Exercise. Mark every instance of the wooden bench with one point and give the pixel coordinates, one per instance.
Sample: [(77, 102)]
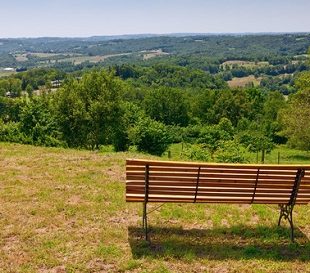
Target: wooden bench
[(187, 182)]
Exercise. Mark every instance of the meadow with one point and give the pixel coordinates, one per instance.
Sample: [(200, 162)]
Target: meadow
[(4, 73), (244, 81), (64, 210)]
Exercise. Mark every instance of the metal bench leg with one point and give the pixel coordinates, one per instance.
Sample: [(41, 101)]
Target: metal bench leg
[(144, 221), (286, 211)]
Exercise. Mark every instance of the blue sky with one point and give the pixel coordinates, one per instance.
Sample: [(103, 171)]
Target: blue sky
[(77, 18)]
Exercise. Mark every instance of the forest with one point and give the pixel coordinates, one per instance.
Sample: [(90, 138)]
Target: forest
[(184, 96)]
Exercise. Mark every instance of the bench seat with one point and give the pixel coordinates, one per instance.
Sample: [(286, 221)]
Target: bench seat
[(189, 182)]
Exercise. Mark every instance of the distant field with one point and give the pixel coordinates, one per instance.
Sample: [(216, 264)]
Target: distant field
[(78, 58), (92, 59), (151, 54), (64, 210), (21, 57), (241, 82), (244, 63), (45, 55), (6, 73)]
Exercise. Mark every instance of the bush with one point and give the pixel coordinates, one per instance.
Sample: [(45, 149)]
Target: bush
[(196, 152), (10, 132), (39, 124), (255, 141), (231, 152), (150, 136)]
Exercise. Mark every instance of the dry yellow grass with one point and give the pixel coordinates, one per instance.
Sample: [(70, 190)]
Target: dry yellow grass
[(152, 54), (244, 63), (93, 59), (244, 81)]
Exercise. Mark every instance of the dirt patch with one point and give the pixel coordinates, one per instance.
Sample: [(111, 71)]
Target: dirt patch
[(225, 223), (116, 173), (10, 243), (126, 217), (57, 269), (98, 265), (74, 200), (254, 220)]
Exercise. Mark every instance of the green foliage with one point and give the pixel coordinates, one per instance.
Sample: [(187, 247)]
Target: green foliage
[(91, 107), (10, 109), (11, 87), (272, 105), (303, 80), (38, 123), (213, 136), (10, 132), (185, 93), (150, 136), (167, 105), (295, 120), (196, 152), (230, 152), (295, 117), (255, 141)]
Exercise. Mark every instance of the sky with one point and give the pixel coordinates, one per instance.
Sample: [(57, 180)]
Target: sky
[(84, 18)]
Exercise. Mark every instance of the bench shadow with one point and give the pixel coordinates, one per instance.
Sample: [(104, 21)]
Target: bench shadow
[(238, 242)]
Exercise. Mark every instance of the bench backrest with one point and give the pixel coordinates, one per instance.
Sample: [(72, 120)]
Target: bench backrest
[(167, 181)]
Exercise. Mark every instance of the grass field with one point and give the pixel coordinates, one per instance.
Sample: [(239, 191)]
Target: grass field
[(64, 210), (152, 54), (92, 59), (241, 82), (244, 63), (4, 73)]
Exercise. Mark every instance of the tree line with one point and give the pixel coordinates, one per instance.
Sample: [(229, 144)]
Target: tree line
[(150, 108)]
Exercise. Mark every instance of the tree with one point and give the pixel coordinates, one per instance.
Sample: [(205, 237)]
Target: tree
[(303, 80), (38, 123), (89, 111), (295, 117), (295, 120), (167, 105), (212, 136)]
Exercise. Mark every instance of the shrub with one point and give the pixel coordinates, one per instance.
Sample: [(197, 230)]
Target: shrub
[(196, 152), (150, 136), (255, 141), (10, 132), (230, 152)]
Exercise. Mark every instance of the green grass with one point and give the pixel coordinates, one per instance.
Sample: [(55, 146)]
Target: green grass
[(286, 155), (64, 210)]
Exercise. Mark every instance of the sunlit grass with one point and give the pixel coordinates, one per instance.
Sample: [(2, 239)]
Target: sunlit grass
[(64, 210)]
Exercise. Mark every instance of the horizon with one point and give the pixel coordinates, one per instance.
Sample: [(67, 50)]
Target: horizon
[(34, 18), (162, 34)]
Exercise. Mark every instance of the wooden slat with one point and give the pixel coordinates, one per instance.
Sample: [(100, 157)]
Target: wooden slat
[(219, 194), (155, 169), (137, 162), (211, 175), (213, 179), (210, 184)]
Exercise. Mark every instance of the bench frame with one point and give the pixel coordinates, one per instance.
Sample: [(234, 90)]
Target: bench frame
[(286, 210)]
